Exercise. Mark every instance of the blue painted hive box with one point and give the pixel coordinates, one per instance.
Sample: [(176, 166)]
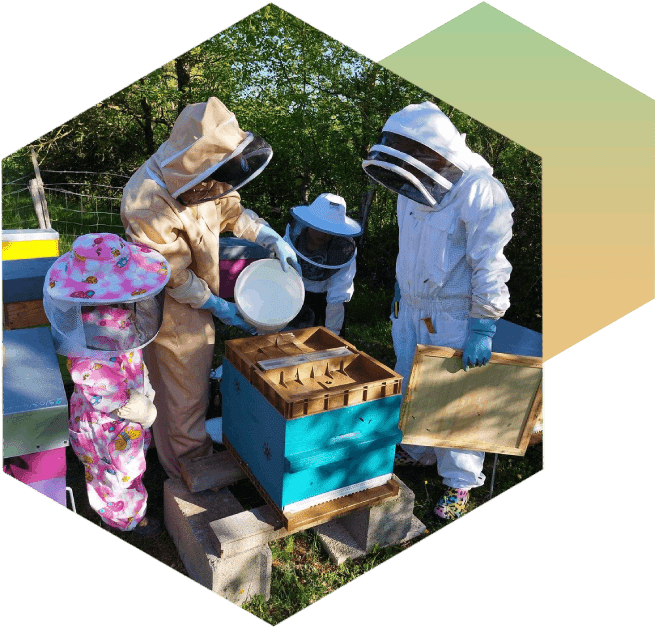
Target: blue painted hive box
[(34, 404), (311, 417)]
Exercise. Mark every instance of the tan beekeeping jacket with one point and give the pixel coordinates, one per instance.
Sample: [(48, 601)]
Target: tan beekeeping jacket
[(187, 237)]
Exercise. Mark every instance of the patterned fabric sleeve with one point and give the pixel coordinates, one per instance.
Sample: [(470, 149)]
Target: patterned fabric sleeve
[(102, 383)]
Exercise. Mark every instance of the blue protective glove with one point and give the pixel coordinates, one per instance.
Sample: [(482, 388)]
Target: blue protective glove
[(395, 304), (274, 242), (226, 312), (477, 349)]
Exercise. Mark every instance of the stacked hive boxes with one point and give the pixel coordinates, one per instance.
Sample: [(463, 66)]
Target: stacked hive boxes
[(312, 417), (35, 409)]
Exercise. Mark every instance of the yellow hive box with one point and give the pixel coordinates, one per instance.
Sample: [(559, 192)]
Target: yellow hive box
[(29, 243)]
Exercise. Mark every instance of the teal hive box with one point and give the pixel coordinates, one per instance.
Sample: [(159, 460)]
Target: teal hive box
[(310, 416)]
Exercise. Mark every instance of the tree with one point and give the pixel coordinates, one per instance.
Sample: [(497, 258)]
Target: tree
[(321, 105)]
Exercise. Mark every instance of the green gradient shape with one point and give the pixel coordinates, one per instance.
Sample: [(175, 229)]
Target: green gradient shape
[(595, 135)]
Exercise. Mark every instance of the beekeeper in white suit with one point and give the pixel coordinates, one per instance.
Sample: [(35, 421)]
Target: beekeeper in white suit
[(454, 218), (322, 235), (177, 203)]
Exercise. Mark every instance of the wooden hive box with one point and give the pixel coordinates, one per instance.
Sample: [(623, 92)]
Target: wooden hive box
[(309, 415), (492, 409)]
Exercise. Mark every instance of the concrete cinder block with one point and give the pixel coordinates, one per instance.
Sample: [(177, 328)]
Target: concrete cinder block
[(215, 471), (384, 524), (187, 517), (245, 531), (340, 545), (338, 542)]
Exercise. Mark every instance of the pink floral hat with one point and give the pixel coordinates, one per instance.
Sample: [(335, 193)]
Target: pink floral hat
[(104, 268)]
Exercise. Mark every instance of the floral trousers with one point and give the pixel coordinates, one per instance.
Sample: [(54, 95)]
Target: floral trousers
[(114, 456)]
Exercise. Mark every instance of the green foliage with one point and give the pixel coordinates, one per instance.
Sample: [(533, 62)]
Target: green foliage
[(321, 105)]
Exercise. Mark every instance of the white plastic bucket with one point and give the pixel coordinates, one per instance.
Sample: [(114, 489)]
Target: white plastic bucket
[(268, 297)]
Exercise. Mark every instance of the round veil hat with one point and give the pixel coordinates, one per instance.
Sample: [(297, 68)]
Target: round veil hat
[(105, 297), (328, 214), (103, 268)]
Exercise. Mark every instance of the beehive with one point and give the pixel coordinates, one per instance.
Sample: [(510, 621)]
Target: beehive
[(27, 254), (35, 412), (29, 243), (312, 417)]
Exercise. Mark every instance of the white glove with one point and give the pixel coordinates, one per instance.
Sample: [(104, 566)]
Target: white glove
[(138, 409), (274, 242)]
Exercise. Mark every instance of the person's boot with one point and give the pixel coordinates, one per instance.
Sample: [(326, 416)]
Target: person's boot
[(148, 526), (452, 503)]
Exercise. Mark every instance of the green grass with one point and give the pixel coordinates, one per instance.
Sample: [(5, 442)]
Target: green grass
[(303, 574)]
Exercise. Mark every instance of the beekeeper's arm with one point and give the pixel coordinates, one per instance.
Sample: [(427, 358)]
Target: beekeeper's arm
[(243, 223), (488, 219), (341, 287), (164, 231)]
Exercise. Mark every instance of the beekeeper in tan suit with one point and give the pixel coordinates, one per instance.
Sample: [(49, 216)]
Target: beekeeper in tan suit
[(178, 203)]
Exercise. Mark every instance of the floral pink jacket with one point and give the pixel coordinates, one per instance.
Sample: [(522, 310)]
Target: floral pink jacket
[(103, 385)]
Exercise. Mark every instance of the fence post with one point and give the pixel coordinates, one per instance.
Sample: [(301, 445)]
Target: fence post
[(364, 210), (36, 199), (45, 216)]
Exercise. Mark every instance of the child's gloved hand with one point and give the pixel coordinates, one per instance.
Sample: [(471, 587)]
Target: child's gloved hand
[(138, 409)]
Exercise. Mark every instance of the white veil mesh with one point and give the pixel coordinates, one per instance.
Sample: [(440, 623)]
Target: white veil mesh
[(103, 331)]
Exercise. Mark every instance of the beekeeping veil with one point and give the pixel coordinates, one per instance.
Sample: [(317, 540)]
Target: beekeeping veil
[(421, 155), (105, 297), (208, 155), (326, 214)]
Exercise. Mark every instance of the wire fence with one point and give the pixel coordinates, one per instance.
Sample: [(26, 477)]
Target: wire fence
[(78, 202)]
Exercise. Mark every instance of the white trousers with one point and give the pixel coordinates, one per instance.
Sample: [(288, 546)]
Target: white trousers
[(458, 468)]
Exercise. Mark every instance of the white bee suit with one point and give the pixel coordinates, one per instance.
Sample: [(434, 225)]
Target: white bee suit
[(450, 268), (329, 268), (339, 289)]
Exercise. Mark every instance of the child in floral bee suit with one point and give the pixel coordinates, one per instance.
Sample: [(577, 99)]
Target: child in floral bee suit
[(104, 301)]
